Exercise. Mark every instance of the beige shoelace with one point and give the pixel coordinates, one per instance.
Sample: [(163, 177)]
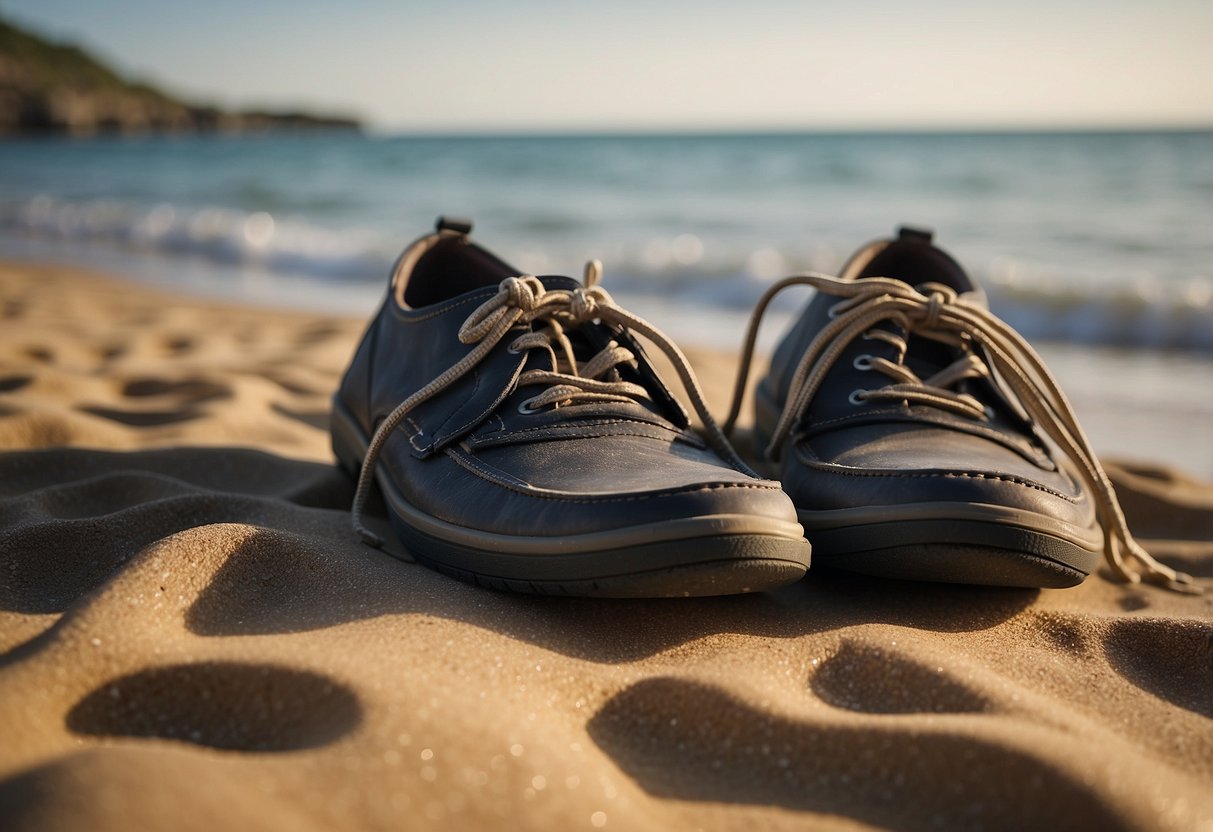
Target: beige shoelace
[(936, 312), (525, 300)]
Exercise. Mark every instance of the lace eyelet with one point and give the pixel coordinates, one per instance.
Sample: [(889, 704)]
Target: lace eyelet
[(856, 397), (832, 312), (512, 348), (989, 413), (524, 407), (862, 362)]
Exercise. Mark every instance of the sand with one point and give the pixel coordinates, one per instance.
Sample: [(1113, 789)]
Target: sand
[(190, 635)]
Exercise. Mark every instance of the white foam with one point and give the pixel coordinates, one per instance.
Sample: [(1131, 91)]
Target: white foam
[(280, 244)]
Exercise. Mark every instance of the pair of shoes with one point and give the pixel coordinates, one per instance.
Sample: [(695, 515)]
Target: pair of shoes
[(522, 440)]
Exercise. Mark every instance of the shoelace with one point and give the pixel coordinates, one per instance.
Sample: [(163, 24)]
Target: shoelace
[(936, 312), (525, 300)]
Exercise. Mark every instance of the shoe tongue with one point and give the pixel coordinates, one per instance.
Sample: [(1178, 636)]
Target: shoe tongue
[(910, 257), (587, 340), (559, 281), (913, 258)]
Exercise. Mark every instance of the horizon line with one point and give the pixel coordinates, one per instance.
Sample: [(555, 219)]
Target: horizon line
[(665, 132), (762, 131)]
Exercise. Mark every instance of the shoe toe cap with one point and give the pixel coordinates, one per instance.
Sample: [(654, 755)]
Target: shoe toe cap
[(585, 486), (931, 466)]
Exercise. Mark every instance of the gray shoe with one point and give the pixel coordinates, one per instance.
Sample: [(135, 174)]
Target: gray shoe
[(920, 437), (522, 440)]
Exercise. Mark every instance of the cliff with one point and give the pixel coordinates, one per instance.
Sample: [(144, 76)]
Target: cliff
[(47, 87)]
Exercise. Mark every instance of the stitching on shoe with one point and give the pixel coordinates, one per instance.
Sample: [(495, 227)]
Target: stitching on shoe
[(838, 419), (464, 460), (592, 424), (1022, 447), (570, 432), (593, 430), (397, 312), (478, 468), (829, 468), (477, 378), (471, 423), (417, 431)]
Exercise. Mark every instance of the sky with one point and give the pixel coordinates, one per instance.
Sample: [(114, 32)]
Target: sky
[(576, 65)]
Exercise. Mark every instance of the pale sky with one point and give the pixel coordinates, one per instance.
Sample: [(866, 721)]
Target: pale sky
[(553, 65)]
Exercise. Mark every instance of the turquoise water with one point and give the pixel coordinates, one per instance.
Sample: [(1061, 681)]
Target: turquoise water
[(1080, 237)]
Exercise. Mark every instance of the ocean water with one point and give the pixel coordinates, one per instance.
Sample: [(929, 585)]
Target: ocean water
[(1098, 247), (1088, 238)]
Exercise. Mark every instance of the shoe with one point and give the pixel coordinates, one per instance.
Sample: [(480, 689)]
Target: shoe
[(522, 440), (920, 437)]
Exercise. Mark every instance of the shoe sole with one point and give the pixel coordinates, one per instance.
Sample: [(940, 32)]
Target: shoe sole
[(956, 543), (963, 543), (694, 556)]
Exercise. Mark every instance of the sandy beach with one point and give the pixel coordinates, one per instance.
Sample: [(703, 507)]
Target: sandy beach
[(190, 635)]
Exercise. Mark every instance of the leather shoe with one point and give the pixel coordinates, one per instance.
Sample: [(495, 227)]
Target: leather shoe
[(522, 440)]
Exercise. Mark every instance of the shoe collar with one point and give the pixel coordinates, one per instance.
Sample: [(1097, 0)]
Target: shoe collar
[(913, 258)]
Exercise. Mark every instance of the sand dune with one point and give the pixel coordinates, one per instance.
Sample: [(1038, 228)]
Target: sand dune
[(192, 636)]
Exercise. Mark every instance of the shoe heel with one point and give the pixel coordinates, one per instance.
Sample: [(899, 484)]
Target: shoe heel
[(348, 445)]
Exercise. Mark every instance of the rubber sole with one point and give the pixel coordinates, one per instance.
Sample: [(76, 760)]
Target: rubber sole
[(717, 555), (958, 551), (957, 543)]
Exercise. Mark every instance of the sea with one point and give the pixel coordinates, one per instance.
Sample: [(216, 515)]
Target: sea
[(1084, 241)]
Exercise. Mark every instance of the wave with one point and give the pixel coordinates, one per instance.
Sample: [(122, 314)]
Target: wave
[(1042, 300), (293, 247)]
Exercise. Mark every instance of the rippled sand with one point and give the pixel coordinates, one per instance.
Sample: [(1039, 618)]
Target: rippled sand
[(191, 635)]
